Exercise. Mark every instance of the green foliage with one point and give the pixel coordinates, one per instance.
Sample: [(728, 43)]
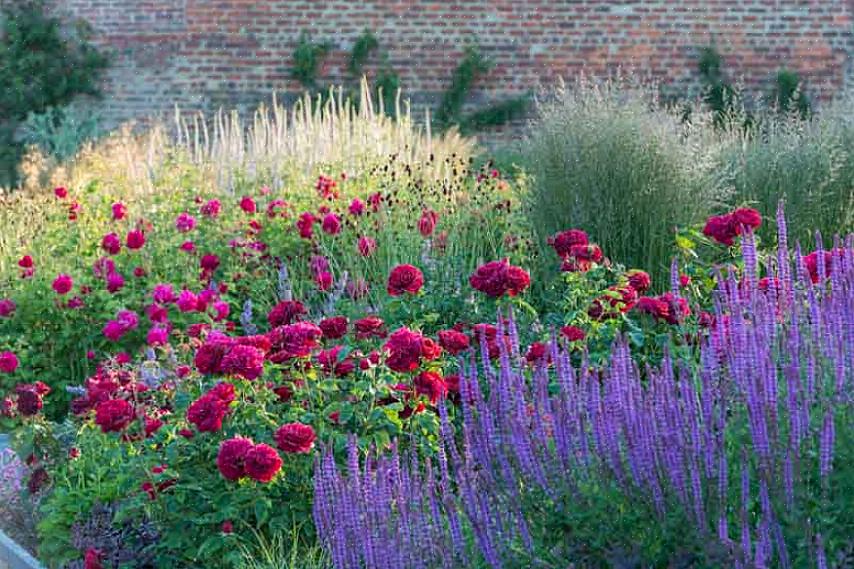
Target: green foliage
[(40, 67), (365, 44), (387, 85), (718, 94), (496, 114), (472, 67), (60, 131), (307, 58), (788, 96)]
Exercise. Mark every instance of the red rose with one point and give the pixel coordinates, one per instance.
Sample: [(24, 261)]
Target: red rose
[(454, 342), (404, 347), (243, 361), (370, 327), (227, 527), (721, 229), (60, 192), (565, 240), (111, 243), (207, 413), (517, 280), (746, 217), (639, 280), (295, 438), (293, 341), (208, 358), (431, 384), (262, 462), (334, 328), (427, 223), (113, 415), (536, 351), (25, 262), (286, 312), (247, 204), (135, 239), (497, 278), (62, 284), (232, 456), (573, 333), (430, 350), (366, 246), (8, 362), (404, 278)]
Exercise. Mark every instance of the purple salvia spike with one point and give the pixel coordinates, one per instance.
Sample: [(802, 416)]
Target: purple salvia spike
[(826, 442), (746, 547), (674, 278), (748, 252), (819, 248), (820, 555)]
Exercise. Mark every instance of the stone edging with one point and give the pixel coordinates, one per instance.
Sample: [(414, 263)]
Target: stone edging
[(13, 556)]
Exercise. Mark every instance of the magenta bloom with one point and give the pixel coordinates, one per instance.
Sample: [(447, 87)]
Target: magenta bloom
[(187, 301), (211, 208), (248, 205), (185, 222), (135, 239), (119, 211), (295, 438), (163, 293), (7, 307), (8, 362), (115, 282), (157, 336), (243, 361), (111, 243), (232, 456), (357, 207), (331, 224), (62, 284)]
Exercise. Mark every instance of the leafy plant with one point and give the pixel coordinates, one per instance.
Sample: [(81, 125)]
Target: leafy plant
[(496, 114), (788, 95), (40, 67), (307, 58), (472, 67), (60, 131), (364, 45)]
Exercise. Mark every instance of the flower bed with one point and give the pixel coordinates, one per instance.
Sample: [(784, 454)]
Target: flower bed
[(187, 375)]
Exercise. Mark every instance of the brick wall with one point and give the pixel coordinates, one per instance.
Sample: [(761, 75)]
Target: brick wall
[(205, 53)]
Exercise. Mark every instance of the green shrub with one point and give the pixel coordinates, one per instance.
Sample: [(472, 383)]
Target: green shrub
[(605, 159), (60, 131), (40, 67)]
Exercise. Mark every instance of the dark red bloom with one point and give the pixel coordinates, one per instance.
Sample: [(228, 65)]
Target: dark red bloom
[(294, 438), (564, 241), (293, 341), (811, 262), (114, 415), (111, 243), (453, 341), (640, 280), (536, 352), (427, 223), (209, 262), (333, 328), (366, 246), (207, 413), (227, 527), (60, 192), (29, 400), (286, 312), (8, 362), (208, 358), (406, 348), (243, 361), (431, 384), (370, 327), (262, 462), (404, 278), (305, 225), (573, 333), (232, 457), (746, 217), (497, 278)]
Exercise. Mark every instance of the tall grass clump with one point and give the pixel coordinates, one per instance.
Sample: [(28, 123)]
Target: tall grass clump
[(807, 163), (607, 158), (279, 145)]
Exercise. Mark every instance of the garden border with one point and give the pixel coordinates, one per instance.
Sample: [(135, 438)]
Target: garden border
[(13, 556)]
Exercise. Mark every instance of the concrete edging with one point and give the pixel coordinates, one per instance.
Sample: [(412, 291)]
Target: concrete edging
[(13, 556)]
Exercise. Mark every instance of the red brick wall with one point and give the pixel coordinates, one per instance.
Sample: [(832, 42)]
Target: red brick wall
[(204, 53)]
